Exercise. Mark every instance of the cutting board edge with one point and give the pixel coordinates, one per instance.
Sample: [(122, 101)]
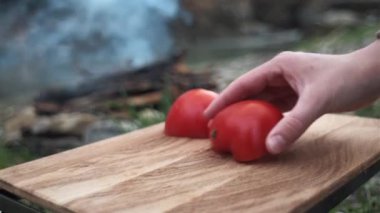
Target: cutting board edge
[(33, 198)]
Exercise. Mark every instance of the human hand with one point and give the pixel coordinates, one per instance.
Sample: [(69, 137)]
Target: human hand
[(306, 85)]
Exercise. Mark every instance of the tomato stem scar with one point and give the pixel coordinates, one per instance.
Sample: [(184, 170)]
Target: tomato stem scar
[(213, 134)]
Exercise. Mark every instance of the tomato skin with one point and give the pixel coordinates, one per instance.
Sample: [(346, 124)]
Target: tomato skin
[(185, 117), (242, 128)]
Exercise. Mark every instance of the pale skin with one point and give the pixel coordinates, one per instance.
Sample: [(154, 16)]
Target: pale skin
[(306, 86)]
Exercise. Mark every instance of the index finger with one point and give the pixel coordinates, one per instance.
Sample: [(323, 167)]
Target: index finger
[(249, 84)]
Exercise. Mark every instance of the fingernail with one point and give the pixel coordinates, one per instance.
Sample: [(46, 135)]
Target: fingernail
[(276, 144)]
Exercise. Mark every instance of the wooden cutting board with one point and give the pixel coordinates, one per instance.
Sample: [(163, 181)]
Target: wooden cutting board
[(145, 171)]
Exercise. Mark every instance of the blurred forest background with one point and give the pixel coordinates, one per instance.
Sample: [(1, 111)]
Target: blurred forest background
[(75, 72)]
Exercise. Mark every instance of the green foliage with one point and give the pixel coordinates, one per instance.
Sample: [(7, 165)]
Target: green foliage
[(339, 40), (166, 101), (370, 111), (115, 106), (13, 156), (364, 200), (149, 116)]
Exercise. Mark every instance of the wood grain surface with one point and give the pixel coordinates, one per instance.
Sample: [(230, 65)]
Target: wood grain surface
[(145, 171)]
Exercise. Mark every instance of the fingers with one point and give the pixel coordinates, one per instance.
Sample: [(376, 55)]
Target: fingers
[(245, 86), (293, 125)]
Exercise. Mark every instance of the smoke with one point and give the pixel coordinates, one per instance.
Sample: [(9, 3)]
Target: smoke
[(65, 41)]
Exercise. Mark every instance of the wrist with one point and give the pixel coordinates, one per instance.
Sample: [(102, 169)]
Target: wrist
[(369, 57), (367, 61)]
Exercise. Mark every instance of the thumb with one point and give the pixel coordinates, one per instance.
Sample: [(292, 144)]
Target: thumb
[(292, 125)]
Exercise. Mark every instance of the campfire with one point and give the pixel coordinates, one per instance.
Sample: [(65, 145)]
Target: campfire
[(116, 92), (63, 118)]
